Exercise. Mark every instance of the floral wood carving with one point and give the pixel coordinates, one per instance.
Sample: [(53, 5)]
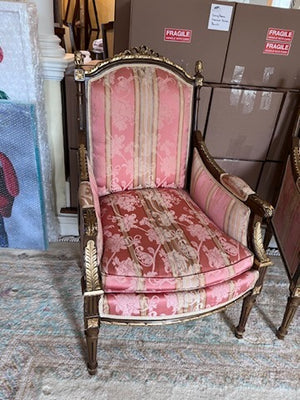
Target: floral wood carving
[(259, 246), (84, 175), (90, 222)]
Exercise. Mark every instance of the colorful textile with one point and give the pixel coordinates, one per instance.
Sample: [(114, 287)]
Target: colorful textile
[(225, 210), (188, 303), (139, 128), (158, 240)]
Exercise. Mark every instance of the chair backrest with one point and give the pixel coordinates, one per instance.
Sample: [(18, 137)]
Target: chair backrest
[(139, 122)]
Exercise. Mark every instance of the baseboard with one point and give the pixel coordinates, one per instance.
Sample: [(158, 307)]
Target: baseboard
[(68, 224)]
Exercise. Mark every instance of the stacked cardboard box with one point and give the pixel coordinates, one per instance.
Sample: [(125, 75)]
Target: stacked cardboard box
[(251, 68)]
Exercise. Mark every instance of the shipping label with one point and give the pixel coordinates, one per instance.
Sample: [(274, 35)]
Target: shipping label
[(177, 35), (280, 35), (281, 49), (220, 17)]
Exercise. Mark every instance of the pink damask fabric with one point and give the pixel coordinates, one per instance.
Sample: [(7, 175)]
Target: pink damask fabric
[(158, 240), (139, 128), (227, 212), (170, 305)]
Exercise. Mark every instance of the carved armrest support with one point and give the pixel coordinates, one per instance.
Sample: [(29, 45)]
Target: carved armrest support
[(90, 227), (90, 258), (257, 245)]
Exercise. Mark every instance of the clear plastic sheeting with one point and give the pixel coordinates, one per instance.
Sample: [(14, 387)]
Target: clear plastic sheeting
[(21, 81), (22, 212), (248, 100)]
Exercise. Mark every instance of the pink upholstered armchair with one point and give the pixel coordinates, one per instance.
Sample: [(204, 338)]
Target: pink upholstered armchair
[(166, 235)]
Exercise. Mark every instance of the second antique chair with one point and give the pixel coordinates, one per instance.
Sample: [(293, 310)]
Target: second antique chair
[(166, 235), (285, 224)]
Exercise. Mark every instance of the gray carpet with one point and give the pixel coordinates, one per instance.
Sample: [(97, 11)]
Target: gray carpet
[(43, 349)]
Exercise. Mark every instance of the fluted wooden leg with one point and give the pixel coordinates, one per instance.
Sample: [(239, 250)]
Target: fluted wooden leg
[(92, 324), (248, 303), (92, 342), (291, 308)]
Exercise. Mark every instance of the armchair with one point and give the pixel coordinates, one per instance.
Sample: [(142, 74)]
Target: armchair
[(166, 235)]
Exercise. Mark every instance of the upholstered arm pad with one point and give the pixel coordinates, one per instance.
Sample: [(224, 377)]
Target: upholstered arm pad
[(225, 210), (236, 186)]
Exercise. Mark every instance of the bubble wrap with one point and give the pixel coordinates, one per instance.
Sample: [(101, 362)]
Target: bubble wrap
[(22, 212), (21, 81)]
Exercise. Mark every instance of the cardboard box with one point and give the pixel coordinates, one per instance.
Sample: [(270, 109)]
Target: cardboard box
[(281, 141), (264, 47), (205, 97), (241, 122), (121, 25), (270, 180), (184, 31)]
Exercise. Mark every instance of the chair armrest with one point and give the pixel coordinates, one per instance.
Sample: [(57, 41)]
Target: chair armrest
[(257, 205), (90, 226), (240, 217), (237, 186)]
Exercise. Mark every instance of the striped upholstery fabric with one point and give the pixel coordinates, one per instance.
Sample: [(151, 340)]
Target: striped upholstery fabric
[(139, 128), (170, 305), (163, 256), (286, 220), (227, 212)]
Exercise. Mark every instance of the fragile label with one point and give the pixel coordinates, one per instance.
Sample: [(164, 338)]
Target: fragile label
[(281, 49), (280, 35), (178, 35)]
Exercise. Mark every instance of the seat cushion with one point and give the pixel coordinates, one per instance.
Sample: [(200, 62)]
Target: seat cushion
[(156, 306), (160, 241)]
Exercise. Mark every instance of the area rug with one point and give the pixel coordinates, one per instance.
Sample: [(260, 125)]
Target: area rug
[(43, 349)]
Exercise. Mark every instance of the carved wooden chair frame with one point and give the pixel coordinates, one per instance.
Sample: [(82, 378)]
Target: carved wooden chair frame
[(91, 279)]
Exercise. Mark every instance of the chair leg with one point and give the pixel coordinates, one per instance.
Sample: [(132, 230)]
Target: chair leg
[(291, 308), (248, 303), (91, 334), (91, 325)]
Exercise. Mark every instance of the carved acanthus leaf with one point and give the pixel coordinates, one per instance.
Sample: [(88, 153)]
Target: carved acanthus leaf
[(91, 267)]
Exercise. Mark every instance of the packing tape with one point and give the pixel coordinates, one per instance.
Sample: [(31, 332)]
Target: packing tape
[(265, 101), (235, 95), (268, 72), (238, 73), (248, 100)]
